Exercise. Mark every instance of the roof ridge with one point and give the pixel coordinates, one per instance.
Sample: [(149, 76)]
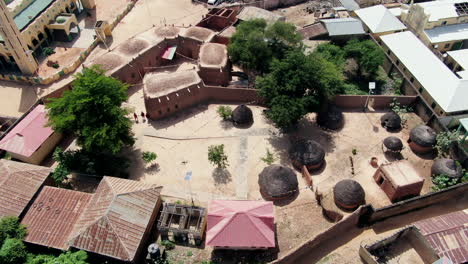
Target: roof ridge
[(257, 227), (229, 220), (117, 235), (142, 190)]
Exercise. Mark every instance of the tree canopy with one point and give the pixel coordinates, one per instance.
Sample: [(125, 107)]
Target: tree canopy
[(296, 85), (68, 257), (256, 43), (91, 111), (368, 55), (11, 228), (217, 156)]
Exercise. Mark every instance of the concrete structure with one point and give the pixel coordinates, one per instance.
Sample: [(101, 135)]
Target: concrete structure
[(343, 28), (31, 26), (399, 180), (31, 140), (442, 25), (241, 225), (406, 246), (218, 19), (182, 223), (19, 184), (115, 221), (378, 20), (426, 74), (457, 61)]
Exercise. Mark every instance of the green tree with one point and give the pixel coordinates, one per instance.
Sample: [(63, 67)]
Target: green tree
[(368, 55), (296, 85), (255, 44), (79, 257), (148, 156), (332, 53), (13, 251), (10, 227), (217, 156), (442, 181), (92, 111)]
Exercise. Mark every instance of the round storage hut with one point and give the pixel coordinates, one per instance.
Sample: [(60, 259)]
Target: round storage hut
[(393, 144), (391, 121), (277, 182), (331, 117), (422, 139), (447, 167), (242, 115), (190, 40), (349, 194), (307, 153)]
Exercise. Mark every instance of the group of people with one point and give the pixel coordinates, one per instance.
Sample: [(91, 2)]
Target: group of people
[(143, 116)]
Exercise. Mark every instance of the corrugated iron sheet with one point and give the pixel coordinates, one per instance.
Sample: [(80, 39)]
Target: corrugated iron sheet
[(448, 234), (19, 182), (51, 218)]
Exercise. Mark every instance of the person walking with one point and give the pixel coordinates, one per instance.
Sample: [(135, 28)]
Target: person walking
[(136, 117)]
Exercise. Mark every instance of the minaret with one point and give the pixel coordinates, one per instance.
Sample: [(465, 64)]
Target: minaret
[(15, 43)]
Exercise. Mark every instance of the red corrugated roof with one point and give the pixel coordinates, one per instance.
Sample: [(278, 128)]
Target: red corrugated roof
[(240, 224), (116, 218), (19, 182), (448, 234), (51, 218), (29, 134)]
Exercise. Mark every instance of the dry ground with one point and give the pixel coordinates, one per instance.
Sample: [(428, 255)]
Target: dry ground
[(181, 143)]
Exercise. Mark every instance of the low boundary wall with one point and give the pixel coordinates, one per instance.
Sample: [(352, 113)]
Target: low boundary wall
[(378, 102)]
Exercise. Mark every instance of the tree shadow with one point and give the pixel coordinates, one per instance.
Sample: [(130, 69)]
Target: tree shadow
[(226, 124), (281, 144), (221, 176), (153, 168), (307, 129), (178, 117), (431, 155)]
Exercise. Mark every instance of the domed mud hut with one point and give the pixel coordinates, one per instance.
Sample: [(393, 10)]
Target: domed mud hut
[(422, 139), (391, 121), (349, 194), (331, 117), (393, 144), (242, 115), (447, 167), (277, 182), (307, 153)]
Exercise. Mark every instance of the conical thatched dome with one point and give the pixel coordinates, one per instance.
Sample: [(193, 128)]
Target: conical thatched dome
[(331, 117), (393, 144), (307, 153), (276, 181), (423, 136), (242, 115), (391, 121), (447, 167), (349, 194)]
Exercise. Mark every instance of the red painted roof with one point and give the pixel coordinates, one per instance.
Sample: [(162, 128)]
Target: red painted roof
[(448, 235), (29, 134), (240, 224), (19, 182), (51, 218)]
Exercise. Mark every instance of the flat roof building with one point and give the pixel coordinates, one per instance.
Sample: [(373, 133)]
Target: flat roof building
[(343, 27), (379, 20), (444, 91)]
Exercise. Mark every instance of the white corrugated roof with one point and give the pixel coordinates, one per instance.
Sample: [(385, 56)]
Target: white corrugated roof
[(440, 9), (396, 11), (350, 5), (447, 33), (460, 56), (379, 19), (343, 26), (443, 85)]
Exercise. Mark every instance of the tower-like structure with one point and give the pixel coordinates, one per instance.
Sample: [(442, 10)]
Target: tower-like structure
[(14, 42)]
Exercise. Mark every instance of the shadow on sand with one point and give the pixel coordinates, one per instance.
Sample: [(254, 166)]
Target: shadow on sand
[(221, 176)]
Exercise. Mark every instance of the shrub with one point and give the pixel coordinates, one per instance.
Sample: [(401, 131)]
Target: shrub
[(402, 111), (13, 251), (225, 112), (10, 227), (167, 244), (47, 51), (189, 253), (354, 151), (148, 156), (55, 66), (442, 182), (444, 140), (217, 156), (269, 158)]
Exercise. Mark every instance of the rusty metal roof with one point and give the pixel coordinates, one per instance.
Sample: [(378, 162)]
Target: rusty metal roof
[(448, 234), (51, 218), (19, 182), (116, 218)]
